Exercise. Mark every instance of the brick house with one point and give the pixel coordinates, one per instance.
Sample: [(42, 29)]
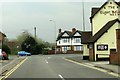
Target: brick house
[(69, 41), (1, 39)]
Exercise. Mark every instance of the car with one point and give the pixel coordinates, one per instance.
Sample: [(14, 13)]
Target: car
[(24, 53), (4, 56)]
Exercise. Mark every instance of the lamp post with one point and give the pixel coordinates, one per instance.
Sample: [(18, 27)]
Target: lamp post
[(55, 33)]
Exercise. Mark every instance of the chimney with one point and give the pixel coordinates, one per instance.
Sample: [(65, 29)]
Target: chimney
[(73, 30), (60, 30)]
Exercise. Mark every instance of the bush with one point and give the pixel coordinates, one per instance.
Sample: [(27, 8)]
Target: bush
[(45, 51)]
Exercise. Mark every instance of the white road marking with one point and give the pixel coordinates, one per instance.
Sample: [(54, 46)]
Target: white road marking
[(13, 69), (9, 63), (49, 57), (92, 67), (46, 61), (61, 77)]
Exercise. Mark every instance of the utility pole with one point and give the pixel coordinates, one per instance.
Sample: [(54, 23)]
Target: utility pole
[(83, 15), (35, 31)]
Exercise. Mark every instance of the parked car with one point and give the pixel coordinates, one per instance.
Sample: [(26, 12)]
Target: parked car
[(4, 56), (23, 53)]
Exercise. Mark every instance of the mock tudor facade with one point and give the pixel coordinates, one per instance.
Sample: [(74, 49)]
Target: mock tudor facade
[(104, 20), (69, 41)]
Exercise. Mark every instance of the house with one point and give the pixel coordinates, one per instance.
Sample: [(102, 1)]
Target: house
[(104, 20), (1, 39), (69, 41), (86, 35)]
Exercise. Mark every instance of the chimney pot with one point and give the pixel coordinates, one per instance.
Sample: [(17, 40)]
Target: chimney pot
[(60, 30)]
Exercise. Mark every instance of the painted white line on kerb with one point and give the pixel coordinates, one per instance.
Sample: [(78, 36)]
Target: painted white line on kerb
[(61, 77)]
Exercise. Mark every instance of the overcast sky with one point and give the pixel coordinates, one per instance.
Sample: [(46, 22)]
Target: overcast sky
[(16, 17)]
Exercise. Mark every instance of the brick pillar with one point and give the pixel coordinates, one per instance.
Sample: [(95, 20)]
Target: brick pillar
[(72, 48), (91, 53), (118, 44), (118, 40)]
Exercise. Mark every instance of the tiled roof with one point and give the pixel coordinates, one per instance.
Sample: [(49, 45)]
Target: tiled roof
[(102, 30), (3, 34), (68, 32), (86, 36)]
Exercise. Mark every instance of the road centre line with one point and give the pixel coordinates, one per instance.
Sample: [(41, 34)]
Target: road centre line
[(13, 69), (92, 67), (61, 77)]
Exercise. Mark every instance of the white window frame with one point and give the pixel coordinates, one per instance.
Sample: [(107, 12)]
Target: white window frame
[(77, 40)]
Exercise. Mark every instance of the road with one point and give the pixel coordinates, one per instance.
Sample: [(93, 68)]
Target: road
[(55, 66)]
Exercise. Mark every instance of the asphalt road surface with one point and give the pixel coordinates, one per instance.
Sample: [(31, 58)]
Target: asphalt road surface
[(55, 66)]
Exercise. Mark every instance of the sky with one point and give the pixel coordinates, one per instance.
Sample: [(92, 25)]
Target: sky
[(17, 16)]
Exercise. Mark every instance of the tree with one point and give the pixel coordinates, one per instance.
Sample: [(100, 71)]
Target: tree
[(6, 49), (38, 49), (29, 44)]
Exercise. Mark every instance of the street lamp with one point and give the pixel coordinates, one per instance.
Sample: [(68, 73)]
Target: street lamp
[(55, 33)]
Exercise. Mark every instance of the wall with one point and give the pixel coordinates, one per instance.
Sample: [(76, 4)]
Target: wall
[(115, 56), (85, 51), (1, 39), (108, 38)]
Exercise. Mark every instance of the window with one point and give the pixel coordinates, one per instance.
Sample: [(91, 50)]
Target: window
[(78, 48), (66, 40), (65, 48), (77, 40)]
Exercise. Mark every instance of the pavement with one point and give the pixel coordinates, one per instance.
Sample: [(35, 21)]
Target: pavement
[(6, 65), (99, 64)]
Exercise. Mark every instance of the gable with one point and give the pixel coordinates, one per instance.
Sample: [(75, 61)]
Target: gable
[(111, 6), (65, 35), (77, 34)]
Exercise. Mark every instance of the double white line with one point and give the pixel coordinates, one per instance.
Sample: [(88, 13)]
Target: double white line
[(13, 69)]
